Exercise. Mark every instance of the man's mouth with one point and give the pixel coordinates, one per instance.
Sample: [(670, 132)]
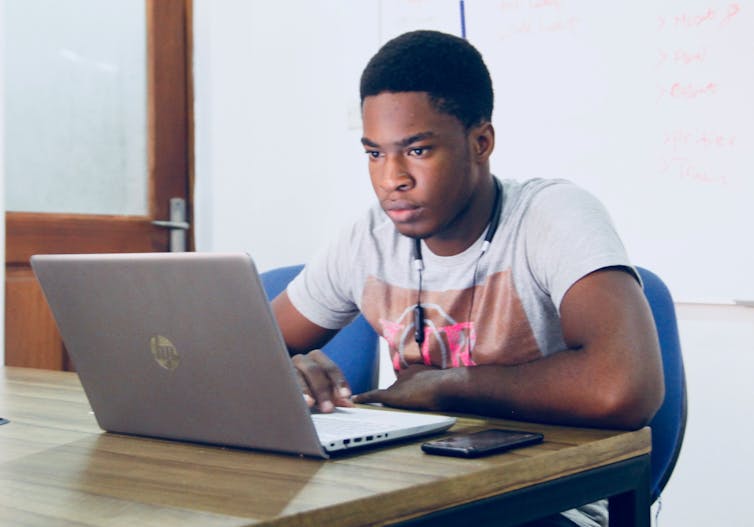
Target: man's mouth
[(402, 211)]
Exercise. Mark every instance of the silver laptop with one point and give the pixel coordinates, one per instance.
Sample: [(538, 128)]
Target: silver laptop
[(184, 346)]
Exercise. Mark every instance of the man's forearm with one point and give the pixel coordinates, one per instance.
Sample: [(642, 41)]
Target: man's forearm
[(559, 389)]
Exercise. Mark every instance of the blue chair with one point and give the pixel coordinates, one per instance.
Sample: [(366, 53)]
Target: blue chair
[(355, 348), (669, 424)]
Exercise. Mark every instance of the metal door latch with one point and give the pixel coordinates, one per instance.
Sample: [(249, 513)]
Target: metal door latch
[(177, 225)]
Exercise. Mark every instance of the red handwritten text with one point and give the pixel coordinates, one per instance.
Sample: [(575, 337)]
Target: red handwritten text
[(700, 19), (685, 169), (691, 91), (677, 139)]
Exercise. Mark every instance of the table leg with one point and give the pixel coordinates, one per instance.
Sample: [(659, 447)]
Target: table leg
[(631, 508)]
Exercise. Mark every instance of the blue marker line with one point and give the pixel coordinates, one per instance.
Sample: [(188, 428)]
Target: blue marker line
[(463, 19)]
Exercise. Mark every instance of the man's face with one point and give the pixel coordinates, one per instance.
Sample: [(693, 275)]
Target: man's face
[(421, 166)]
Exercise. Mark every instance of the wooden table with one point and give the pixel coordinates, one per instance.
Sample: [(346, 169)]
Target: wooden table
[(58, 468)]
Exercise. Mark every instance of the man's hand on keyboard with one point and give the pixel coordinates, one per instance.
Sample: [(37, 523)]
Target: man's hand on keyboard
[(323, 384)]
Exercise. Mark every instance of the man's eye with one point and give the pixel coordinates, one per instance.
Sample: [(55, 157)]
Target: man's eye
[(418, 151), (374, 154)]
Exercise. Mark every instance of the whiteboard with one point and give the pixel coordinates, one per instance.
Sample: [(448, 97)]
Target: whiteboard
[(648, 105)]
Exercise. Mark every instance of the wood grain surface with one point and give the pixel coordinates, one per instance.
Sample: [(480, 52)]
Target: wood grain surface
[(57, 467)]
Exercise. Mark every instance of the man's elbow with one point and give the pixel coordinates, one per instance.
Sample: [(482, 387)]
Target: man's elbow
[(631, 406)]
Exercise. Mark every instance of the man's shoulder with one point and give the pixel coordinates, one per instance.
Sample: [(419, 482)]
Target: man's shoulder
[(528, 188), (543, 195)]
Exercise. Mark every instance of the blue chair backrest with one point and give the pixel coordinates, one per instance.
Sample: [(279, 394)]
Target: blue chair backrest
[(355, 349), (669, 424)]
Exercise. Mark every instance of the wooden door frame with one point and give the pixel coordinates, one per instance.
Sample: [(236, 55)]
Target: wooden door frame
[(169, 155)]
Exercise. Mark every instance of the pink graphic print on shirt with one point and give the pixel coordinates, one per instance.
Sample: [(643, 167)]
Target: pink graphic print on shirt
[(497, 332)]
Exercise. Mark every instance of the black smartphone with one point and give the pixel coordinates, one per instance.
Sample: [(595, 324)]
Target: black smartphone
[(481, 443)]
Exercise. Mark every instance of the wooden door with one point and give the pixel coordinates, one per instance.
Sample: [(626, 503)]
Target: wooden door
[(31, 336)]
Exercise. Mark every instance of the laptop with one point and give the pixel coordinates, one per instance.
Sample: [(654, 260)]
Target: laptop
[(184, 346)]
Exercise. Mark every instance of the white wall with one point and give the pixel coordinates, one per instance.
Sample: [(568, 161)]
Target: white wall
[(278, 160), (712, 481), (279, 168)]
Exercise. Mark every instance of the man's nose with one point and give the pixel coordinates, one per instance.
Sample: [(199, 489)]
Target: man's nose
[(395, 174)]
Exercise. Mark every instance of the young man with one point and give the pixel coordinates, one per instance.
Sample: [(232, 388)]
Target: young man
[(513, 299)]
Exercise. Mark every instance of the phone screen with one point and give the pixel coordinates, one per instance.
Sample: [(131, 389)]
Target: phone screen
[(481, 443)]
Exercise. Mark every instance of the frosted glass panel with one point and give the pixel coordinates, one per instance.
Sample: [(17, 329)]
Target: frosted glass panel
[(75, 100)]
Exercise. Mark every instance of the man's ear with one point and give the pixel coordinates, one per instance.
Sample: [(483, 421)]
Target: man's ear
[(482, 138)]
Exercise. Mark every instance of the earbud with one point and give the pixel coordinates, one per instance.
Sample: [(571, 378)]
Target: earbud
[(418, 324)]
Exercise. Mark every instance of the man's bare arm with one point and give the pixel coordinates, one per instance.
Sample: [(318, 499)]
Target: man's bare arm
[(610, 375)]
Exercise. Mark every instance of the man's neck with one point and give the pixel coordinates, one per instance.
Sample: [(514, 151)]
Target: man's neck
[(469, 224)]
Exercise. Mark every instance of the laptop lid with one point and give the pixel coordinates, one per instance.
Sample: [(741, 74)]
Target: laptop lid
[(185, 346)]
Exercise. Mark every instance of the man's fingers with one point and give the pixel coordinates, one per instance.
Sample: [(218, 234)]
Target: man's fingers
[(340, 391), (372, 396), (322, 381), (316, 383), (332, 370), (305, 389)]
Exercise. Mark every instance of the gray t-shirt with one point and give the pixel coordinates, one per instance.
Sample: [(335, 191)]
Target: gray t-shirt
[(500, 307)]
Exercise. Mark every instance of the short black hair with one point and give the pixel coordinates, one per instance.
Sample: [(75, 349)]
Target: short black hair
[(444, 66)]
